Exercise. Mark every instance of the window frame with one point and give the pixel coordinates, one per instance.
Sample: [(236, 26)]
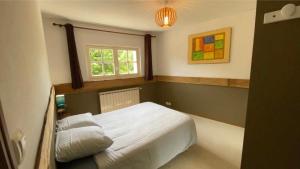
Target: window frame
[(115, 61)]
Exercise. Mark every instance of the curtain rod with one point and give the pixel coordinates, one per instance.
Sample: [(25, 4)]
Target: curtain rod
[(101, 30)]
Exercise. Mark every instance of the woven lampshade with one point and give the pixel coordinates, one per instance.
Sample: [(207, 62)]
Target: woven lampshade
[(165, 17)]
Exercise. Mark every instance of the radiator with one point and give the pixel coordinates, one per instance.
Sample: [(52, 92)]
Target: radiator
[(117, 99)]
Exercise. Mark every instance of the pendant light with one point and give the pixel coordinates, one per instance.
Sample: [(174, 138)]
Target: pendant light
[(165, 17)]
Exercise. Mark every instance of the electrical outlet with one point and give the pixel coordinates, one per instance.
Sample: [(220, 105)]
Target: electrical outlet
[(168, 103)]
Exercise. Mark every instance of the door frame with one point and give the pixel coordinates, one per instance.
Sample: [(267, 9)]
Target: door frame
[(6, 145)]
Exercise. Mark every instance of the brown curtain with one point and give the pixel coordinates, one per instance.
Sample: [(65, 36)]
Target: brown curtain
[(77, 81), (148, 58)]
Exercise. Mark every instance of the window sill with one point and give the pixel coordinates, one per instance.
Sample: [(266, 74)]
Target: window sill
[(104, 78)]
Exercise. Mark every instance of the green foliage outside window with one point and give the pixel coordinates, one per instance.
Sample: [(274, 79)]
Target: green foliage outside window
[(102, 61), (122, 55), (95, 54), (127, 59), (123, 68), (107, 55), (131, 68), (132, 56), (109, 69), (97, 69)]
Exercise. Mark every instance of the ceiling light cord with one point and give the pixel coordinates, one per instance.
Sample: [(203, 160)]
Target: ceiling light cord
[(166, 3)]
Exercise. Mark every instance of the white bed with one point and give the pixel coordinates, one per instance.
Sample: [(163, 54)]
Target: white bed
[(146, 136)]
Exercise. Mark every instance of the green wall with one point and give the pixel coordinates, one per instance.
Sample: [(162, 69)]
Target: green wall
[(219, 103), (89, 101)]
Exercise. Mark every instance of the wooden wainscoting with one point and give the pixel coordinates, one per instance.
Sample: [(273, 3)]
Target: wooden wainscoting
[(194, 80), (106, 84), (43, 158), (239, 83), (97, 85)]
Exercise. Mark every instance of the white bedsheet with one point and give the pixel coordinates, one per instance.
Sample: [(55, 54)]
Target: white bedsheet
[(146, 136)]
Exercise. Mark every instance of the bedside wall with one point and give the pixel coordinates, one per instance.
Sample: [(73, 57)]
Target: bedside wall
[(223, 104), (89, 101)]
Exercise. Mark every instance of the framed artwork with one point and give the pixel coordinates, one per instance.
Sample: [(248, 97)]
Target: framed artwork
[(210, 47)]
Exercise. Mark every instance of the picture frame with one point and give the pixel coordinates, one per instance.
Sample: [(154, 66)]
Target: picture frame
[(210, 47)]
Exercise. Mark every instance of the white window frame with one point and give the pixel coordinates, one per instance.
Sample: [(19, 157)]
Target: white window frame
[(116, 63)]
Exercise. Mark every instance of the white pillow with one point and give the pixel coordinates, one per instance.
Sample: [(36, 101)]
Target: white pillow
[(80, 120), (80, 142)]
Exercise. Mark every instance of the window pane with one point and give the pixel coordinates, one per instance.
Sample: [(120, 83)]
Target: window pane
[(132, 56), (122, 55), (109, 69), (107, 55), (96, 69), (95, 54), (132, 68), (123, 68)]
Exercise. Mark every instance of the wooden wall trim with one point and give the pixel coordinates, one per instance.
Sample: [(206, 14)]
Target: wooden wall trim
[(43, 157), (106, 84), (98, 85), (194, 80), (239, 83)]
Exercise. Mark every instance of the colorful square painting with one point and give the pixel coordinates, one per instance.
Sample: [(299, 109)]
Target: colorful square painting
[(210, 47)]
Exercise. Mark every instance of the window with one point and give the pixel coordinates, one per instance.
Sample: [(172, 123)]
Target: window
[(112, 62), (127, 61)]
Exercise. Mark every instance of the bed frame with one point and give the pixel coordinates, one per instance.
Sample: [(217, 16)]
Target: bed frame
[(45, 156)]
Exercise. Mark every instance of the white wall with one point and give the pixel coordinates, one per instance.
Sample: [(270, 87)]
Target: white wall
[(24, 76), (169, 48), (58, 51), (173, 48)]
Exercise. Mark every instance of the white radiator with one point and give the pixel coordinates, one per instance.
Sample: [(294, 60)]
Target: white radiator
[(117, 99)]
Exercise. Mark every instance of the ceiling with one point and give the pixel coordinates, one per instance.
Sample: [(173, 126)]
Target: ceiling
[(139, 14)]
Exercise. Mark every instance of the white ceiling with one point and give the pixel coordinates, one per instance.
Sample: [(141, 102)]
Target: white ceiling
[(139, 14)]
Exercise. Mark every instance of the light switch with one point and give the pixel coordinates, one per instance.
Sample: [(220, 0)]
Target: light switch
[(287, 12)]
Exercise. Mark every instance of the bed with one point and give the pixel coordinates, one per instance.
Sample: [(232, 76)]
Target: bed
[(146, 136)]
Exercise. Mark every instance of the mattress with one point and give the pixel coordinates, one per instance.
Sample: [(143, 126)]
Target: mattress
[(146, 136)]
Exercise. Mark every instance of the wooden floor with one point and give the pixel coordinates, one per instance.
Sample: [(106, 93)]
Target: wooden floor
[(219, 146)]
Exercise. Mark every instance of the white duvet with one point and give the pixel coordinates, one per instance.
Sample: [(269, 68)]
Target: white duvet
[(146, 136)]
